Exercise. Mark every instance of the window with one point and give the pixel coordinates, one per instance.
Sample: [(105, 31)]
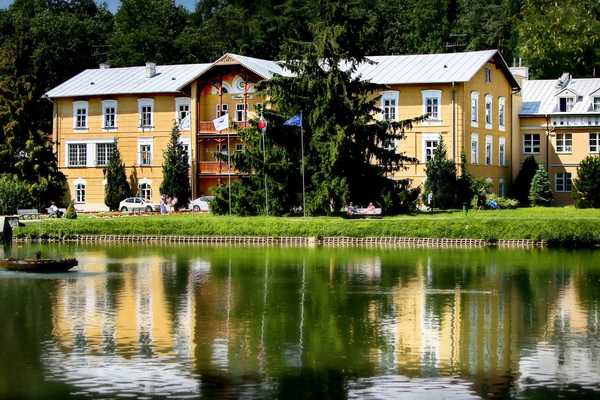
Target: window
[(488, 111), (502, 151), (80, 193), (430, 143), (145, 152), (564, 142), (240, 112), (182, 111), (146, 107), (185, 143), (104, 152), (594, 142), (487, 75), (77, 155), (596, 104), (221, 149), (563, 182), (145, 190), (565, 104), (474, 148), (80, 114), (109, 113), (489, 144), (474, 109), (389, 105), (501, 188), (239, 148), (531, 143), (501, 113), (432, 100), (225, 110)]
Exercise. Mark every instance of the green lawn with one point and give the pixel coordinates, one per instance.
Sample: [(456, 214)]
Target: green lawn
[(559, 226)]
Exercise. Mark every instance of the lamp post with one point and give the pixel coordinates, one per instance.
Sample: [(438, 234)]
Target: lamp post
[(548, 130)]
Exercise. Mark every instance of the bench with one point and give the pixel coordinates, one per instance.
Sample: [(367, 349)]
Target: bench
[(356, 212), (28, 213)]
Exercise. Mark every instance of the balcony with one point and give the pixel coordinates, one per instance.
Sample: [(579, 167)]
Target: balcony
[(215, 168), (207, 127)]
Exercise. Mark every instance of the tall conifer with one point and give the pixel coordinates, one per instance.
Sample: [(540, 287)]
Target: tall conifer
[(176, 178), (117, 188)]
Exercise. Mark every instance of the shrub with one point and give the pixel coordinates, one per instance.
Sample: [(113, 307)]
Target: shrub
[(441, 179), (521, 186), (14, 194), (117, 188), (503, 202), (586, 187), (540, 193), (481, 188), (71, 213), (400, 198)]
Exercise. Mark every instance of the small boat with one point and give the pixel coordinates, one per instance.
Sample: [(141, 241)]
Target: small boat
[(38, 264)]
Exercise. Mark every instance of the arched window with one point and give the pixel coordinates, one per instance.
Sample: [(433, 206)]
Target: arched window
[(145, 190), (80, 193)]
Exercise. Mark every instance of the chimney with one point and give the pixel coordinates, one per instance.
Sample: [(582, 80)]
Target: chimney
[(104, 66), (150, 69)]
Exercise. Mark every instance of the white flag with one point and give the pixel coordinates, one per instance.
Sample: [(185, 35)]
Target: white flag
[(221, 123)]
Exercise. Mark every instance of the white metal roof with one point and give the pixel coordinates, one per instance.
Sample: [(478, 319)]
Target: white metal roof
[(109, 81), (264, 68), (540, 97), (430, 68)]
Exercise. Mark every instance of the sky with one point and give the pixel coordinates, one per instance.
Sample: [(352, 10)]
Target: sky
[(114, 4)]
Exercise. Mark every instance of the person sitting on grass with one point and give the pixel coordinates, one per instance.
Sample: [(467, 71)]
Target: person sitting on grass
[(53, 211)]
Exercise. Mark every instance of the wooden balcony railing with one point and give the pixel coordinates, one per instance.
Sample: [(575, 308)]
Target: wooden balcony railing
[(214, 167), (208, 127)]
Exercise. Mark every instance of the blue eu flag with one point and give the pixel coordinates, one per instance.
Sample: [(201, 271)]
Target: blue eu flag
[(296, 120)]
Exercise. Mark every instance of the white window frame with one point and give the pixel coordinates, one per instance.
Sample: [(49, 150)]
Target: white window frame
[(487, 75), (141, 104), (531, 143), (81, 105), (561, 143), (390, 95), (185, 141), (429, 137), (475, 105), (218, 109), (68, 155), (475, 154), (501, 113), (596, 103), (489, 150), (80, 191), (145, 142), (109, 104), (594, 148), (96, 147), (243, 108), (567, 108), (148, 187), (563, 178), (502, 151), (489, 111), (432, 94), (184, 124)]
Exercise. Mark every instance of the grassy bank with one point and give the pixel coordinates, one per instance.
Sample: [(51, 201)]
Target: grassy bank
[(558, 226)]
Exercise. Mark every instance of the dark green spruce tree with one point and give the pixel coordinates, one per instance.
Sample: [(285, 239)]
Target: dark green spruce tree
[(117, 188), (540, 193), (441, 179), (176, 171)]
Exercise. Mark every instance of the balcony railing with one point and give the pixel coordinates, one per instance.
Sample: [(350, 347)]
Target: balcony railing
[(208, 127), (214, 167)]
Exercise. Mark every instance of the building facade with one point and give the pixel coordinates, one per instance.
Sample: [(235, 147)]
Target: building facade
[(468, 98)]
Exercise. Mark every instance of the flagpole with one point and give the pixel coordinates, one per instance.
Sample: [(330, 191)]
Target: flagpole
[(302, 166), (264, 138), (229, 170)]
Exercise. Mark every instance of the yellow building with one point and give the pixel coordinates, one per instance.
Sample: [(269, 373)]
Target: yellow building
[(468, 98), (559, 125)]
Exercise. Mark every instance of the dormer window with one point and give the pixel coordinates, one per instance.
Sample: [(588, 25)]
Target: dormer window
[(596, 104), (565, 104)]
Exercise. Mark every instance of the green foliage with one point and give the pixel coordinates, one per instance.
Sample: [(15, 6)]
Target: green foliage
[(586, 187), (70, 212), (503, 202), (449, 191), (117, 188), (520, 188), (540, 193), (399, 198), (14, 194), (555, 37), (176, 171)]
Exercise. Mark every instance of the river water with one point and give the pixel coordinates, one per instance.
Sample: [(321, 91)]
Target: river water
[(199, 322)]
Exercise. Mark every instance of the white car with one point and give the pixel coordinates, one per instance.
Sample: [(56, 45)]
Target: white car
[(202, 203), (137, 204)]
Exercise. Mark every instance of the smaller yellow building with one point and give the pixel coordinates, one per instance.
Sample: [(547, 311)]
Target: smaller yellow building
[(559, 125)]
